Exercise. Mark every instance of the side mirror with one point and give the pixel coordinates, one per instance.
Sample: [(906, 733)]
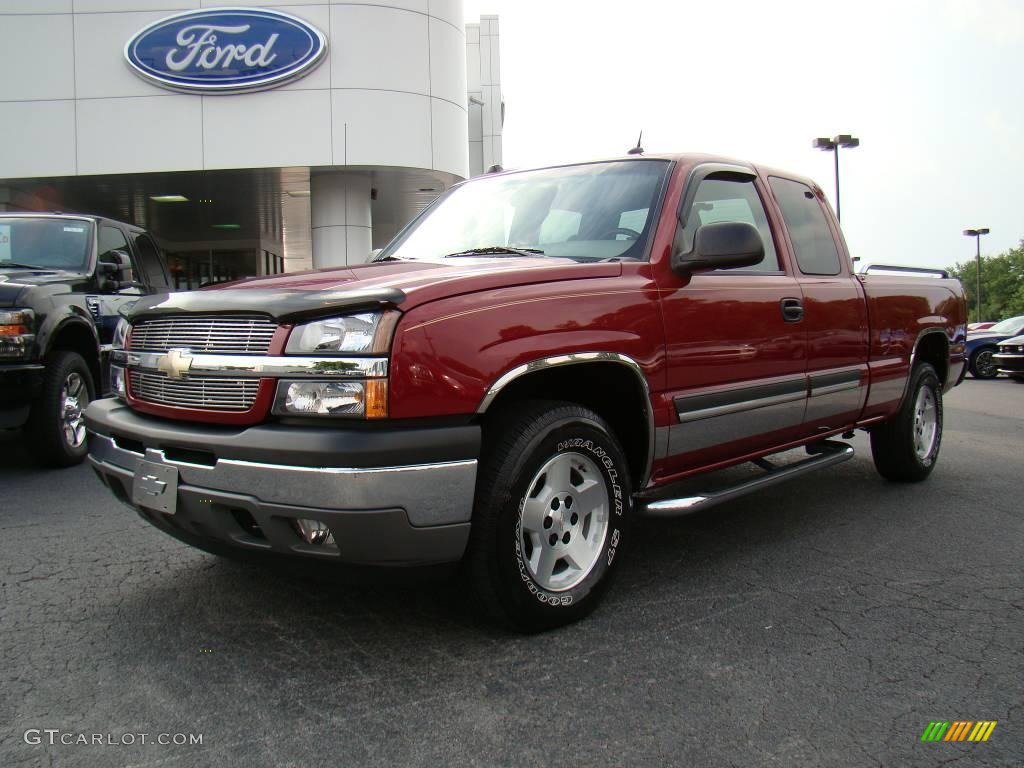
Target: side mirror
[(114, 270), (722, 245)]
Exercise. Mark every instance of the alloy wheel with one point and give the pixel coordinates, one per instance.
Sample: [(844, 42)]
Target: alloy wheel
[(74, 397), (564, 520), (926, 423)]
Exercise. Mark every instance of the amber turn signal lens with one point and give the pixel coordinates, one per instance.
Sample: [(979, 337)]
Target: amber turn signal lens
[(376, 398)]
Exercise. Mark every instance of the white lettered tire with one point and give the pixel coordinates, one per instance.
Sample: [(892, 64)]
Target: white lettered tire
[(552, 508)]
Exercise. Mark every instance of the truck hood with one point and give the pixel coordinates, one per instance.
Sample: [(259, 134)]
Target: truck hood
[(13, 281), (25, 277), (404, 284)]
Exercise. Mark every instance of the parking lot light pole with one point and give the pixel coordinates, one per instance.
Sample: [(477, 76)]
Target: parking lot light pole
[(976, 234), (832, 145)]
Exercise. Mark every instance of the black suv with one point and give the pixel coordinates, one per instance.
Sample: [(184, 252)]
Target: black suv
[(63, 279)]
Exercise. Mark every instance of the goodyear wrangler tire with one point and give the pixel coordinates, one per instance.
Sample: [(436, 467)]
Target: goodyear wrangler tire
[(552, 506), (906, 447)]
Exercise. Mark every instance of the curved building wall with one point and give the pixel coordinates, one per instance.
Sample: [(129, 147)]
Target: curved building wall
[(390, 93)]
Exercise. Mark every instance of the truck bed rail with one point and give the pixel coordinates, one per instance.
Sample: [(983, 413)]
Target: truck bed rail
[(882, 269)]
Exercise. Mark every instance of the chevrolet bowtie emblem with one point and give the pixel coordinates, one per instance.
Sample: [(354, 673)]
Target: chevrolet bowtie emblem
[(152, 485), (175, 363)]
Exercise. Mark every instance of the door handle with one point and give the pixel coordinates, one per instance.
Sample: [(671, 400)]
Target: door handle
[(792, 310)]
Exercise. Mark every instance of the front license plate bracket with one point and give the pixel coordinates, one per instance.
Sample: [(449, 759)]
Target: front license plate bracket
[(155, 486)]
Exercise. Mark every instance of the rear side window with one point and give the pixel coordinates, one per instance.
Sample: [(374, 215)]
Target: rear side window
[(151, 262), (731, 199), (813, 244)]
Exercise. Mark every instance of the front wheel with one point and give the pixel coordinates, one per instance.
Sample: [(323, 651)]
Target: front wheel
[(549, 522), (906, 447), (982, 364), (56, 425)]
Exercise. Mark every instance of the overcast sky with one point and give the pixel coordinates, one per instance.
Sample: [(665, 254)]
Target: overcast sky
[(933, 89)]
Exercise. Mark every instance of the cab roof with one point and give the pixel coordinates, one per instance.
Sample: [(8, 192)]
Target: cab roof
[(688, 159)]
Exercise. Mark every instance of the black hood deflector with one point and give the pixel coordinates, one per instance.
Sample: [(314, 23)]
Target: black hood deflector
[(281, 304)]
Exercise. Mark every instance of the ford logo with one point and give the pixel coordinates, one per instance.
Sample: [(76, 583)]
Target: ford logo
[(225, 50)]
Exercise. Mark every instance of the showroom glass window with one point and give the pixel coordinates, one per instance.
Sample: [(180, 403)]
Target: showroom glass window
[(813, 243), (583, 212)]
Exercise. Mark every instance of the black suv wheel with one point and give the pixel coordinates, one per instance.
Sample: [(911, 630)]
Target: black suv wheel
[(56, 425)]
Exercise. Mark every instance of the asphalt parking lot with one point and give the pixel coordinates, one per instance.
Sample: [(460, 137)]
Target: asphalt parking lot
[(821, 623)]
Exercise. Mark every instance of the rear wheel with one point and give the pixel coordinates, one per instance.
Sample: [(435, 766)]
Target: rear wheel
[(906, 447), (56, 425), (553, 502), (982, 365)]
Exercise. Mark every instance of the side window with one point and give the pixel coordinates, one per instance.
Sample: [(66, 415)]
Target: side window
[(112, 239), (813, 244), (150, 260), (731, 199)]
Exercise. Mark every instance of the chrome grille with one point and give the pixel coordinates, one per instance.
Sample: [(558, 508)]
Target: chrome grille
[(216, 334), (202, 393)]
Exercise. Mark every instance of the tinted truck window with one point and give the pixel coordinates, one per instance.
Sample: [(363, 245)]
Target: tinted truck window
[(814, 246), (47, 243), (152, 264)]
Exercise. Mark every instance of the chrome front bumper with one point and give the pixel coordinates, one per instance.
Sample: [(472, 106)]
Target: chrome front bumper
[(395, 515)]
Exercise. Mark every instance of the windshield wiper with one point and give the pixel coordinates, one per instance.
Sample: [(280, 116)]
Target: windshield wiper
[(496, 250), (19, 265)]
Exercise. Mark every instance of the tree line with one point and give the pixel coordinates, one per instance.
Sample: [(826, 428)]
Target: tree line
[(1002, 284)]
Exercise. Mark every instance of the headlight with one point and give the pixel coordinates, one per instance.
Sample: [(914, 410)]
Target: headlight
[(16, 332), (121, 333), (118, 382), (359, 399), (350, 334), (357, 335)]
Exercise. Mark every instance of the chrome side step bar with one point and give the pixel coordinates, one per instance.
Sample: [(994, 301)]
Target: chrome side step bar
[(823, 454)]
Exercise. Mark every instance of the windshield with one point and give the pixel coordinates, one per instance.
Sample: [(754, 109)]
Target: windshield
[(1007, 326), (45, 243), (582, 212)]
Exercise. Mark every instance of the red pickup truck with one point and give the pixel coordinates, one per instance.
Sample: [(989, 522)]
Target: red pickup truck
[(537, 359)]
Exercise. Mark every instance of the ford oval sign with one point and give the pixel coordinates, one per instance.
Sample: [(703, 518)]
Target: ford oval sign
[(225, 50)]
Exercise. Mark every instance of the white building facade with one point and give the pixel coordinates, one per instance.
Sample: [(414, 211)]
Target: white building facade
[(318, 170)]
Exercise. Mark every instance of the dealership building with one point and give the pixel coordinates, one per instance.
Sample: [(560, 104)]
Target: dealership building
[(251, 139)]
